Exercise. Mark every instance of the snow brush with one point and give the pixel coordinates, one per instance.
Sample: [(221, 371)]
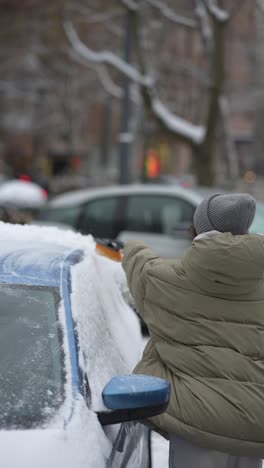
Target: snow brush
[(110, 248)]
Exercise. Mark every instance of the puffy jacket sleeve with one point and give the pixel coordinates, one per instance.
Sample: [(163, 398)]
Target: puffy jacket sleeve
[(137, 259)]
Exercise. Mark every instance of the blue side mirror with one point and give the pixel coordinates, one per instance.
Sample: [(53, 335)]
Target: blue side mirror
[(134, 397)]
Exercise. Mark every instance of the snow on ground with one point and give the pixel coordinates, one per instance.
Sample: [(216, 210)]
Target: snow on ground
[(52, 235)]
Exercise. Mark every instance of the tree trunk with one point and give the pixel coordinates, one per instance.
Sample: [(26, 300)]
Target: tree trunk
[(204, 153), (204, 165)]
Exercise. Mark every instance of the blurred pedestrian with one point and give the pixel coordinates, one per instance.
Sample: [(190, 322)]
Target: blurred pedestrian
[(205, 314)]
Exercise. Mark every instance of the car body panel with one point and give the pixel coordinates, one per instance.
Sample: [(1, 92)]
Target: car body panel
[(82, 196), (72, 449), (50, 448), (131, 448)]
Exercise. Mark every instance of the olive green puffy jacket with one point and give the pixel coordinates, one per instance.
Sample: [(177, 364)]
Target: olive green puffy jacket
[(205, 315)]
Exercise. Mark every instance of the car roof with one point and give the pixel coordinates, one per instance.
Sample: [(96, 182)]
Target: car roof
[(35, 263), (80, 196)]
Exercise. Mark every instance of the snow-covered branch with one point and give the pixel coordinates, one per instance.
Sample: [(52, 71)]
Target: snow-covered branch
[(179, 126), (205, 26), (107, 82), (109, 86), (89, 17), (169, 14), (217, 13), (105, 58), (131, 4), (193, 134)]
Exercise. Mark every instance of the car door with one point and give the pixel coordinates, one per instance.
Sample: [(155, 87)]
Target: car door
[(131, 448), (163, 221), (101, 217)]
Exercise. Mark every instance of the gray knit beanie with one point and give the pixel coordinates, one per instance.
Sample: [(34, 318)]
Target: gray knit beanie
[(232, 212)]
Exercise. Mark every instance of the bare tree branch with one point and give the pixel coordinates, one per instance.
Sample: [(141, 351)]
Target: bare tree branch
[(169, 14), (236, 8), (216, 12), (88, 16)]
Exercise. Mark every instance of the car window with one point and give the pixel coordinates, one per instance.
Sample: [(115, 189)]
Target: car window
[(157, 213), (98, 218), (31, 360), (66, 215)]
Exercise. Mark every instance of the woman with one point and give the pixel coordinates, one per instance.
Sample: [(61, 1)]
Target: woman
[(205, 314)]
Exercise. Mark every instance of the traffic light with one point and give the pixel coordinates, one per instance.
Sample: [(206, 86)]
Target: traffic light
[(152, 165)]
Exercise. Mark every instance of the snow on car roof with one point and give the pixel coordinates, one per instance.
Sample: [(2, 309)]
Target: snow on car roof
[(15, 233), (80, 196), (36, 255), (37, 263)]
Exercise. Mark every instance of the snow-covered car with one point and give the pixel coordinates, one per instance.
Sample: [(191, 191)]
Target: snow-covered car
[(161, 215), (20, 201), (68, 344), (23, 194)]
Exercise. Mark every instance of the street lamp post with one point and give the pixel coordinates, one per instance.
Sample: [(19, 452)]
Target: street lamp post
[(125, 136)]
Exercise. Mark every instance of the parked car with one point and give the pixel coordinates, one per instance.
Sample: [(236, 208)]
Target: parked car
[(20, 201), (159, 214), (68, 344)]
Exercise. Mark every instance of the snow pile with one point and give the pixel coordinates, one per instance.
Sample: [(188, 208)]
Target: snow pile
[(50, 235), (22, 194)]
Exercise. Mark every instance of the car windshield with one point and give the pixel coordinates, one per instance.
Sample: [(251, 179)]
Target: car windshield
[(31, 358), (258, 223)]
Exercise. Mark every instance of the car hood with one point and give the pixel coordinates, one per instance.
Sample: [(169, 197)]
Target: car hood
[(53, 449)]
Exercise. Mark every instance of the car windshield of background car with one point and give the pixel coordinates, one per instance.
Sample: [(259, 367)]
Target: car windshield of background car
[(66, 215), (31, 358)]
